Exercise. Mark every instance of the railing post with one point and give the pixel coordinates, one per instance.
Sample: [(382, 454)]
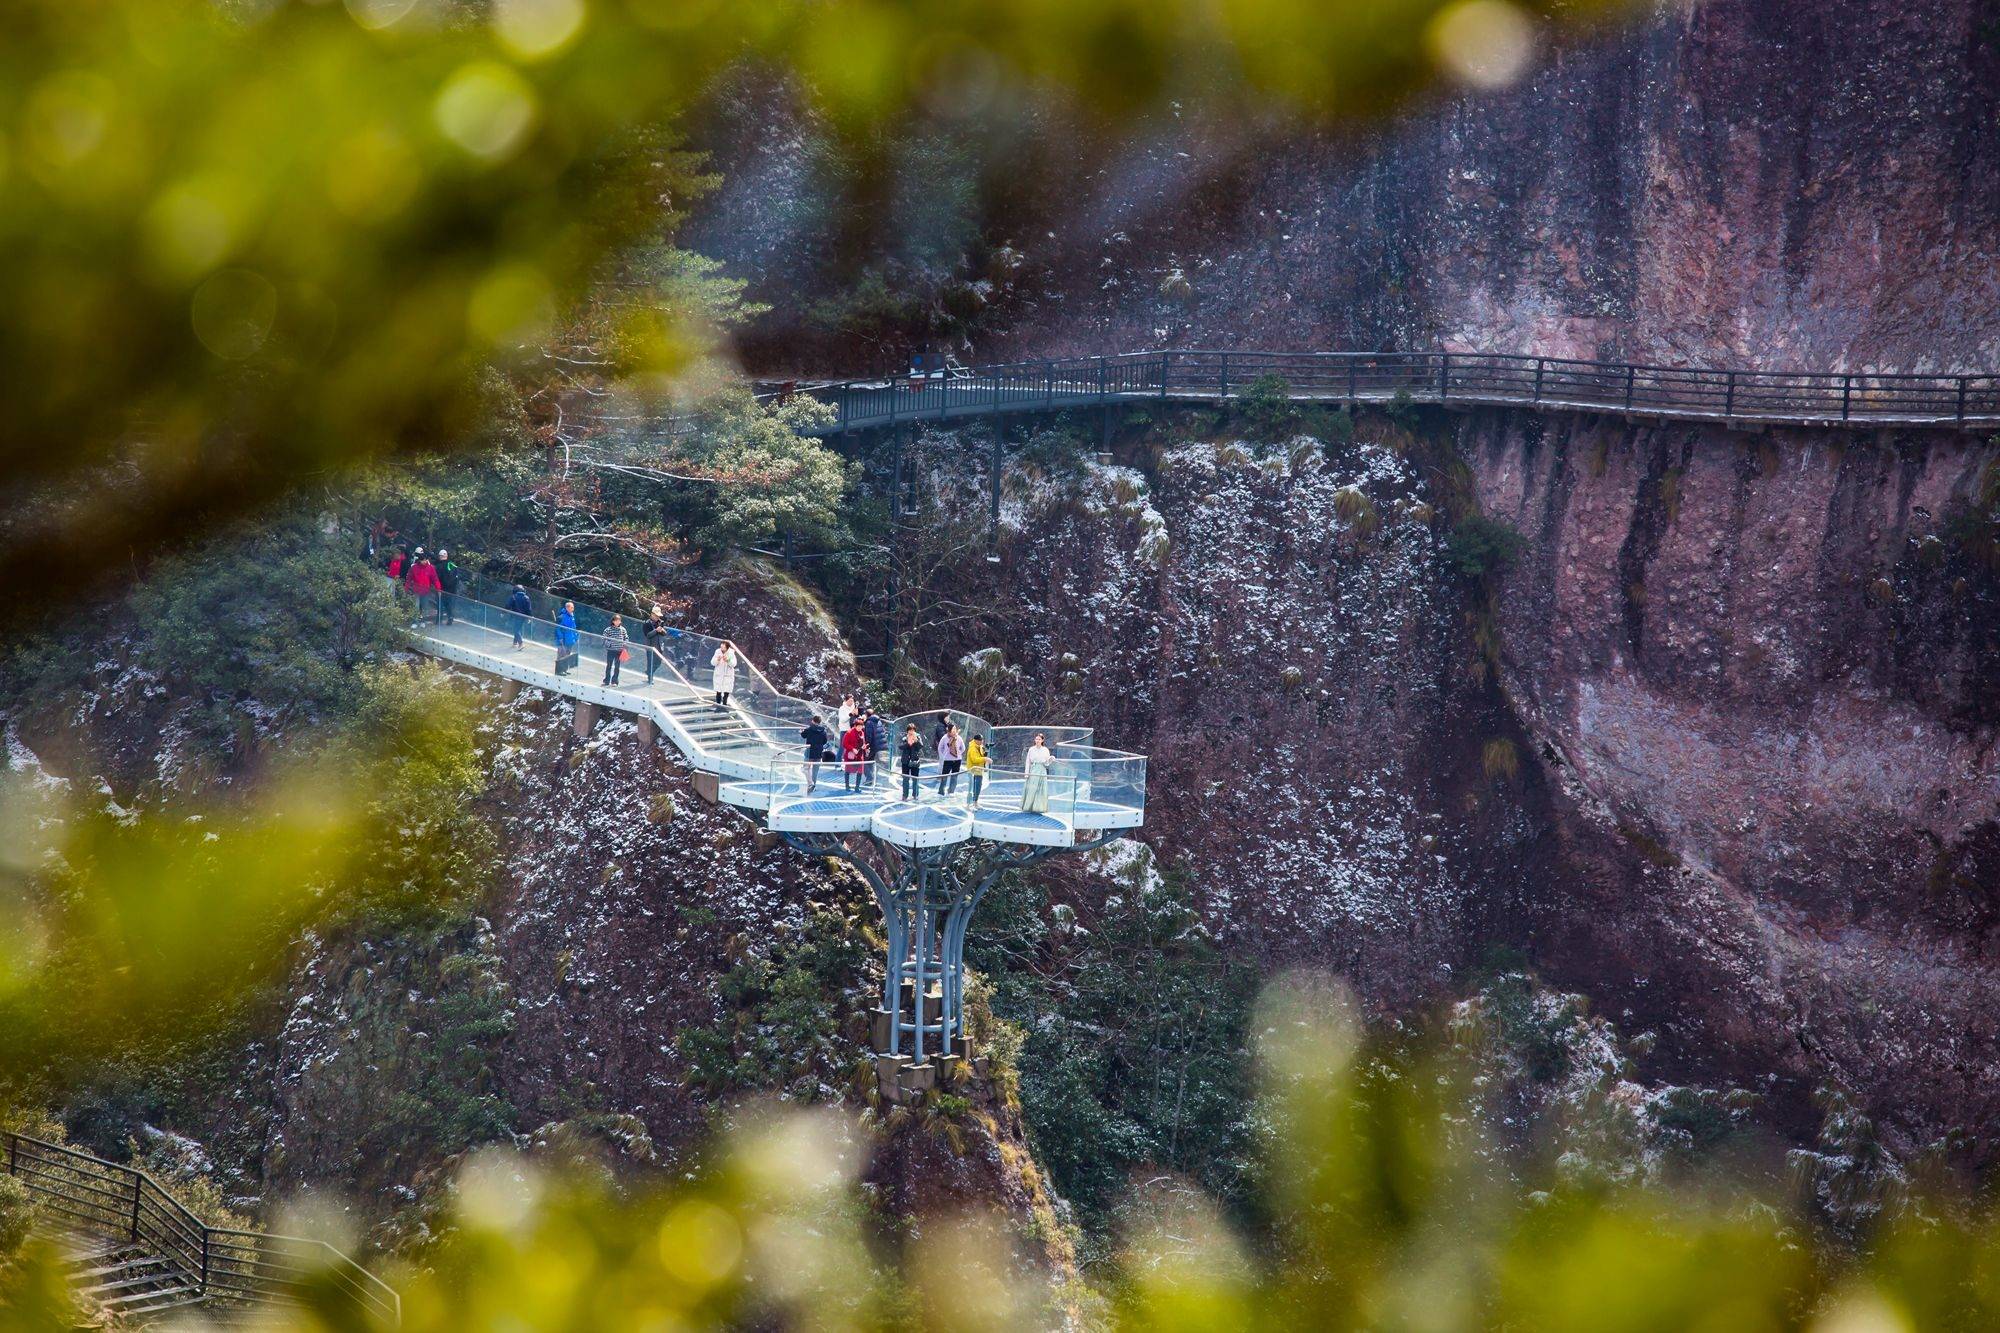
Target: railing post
[(1630, 373), (1846, 395), (1225, 376), (1729, 396), (1962, 381), (1353, 371), (1049, 373), (1540, 365), (1166, 362), (204, 1259), (846, 396), (1444, 376), (1103, 380), (138, 1183)]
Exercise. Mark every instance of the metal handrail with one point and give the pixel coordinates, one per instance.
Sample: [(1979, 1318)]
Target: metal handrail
[(125, 1203), (1801, 397)]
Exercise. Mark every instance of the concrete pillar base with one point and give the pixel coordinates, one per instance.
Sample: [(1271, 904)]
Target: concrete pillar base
[(889, 1077), (586, 718), (707, 786), (649, 731), (510, 690)]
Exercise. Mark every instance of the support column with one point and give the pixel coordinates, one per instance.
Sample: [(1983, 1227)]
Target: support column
[(586, 718), (510, 690), (649, 732)]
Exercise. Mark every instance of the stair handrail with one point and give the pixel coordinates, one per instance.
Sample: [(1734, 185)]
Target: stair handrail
[(90, 1193)]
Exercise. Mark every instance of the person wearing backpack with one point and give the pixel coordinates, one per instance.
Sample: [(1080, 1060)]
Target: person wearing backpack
[(875, 734), (519, 607)]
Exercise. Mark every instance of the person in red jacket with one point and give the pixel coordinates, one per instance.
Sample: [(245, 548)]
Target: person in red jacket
[(424, 583), (854, 757), (396, 563)]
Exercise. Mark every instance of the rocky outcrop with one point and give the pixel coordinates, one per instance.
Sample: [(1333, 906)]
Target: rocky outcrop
[(1733, 774), (1751, 182), (1762, 672)]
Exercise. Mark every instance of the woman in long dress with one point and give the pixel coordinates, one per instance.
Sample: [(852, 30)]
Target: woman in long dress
[(724, 662), (1035, 790)]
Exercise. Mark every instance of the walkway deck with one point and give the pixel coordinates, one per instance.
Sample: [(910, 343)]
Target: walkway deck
[(754, 747), (1752, 397)]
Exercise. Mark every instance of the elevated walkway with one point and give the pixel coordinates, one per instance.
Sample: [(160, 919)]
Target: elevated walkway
[(753, 744), (1453, 379)]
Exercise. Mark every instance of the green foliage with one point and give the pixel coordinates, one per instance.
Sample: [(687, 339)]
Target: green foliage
[(414, 749), (1266, 406), (282, 615), (1479, 547), (1134, 1053), (791, 484), (440, 1098), (783, 1007), (18, 1217)]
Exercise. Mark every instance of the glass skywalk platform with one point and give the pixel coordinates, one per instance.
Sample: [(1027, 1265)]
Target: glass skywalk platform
[(755, 748)]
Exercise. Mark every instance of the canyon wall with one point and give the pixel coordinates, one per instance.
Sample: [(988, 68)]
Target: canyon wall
[(1748, 182)]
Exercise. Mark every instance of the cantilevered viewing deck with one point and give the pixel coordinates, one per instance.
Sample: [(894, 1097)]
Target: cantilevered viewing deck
[(755, 748)]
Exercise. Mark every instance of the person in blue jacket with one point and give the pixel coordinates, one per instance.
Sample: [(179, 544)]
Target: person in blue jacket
[(519, 607), (565, 638)]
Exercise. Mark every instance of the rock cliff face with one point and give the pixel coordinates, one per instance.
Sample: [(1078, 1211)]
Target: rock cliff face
[(1734, 775), (1752, 182), (1763, 679)]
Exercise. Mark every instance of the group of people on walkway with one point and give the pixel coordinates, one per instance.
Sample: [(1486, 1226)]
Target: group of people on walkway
[(434, 583), (863, 740), (858, 741)]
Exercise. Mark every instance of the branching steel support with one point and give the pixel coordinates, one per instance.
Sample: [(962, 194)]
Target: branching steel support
[(927, 899)]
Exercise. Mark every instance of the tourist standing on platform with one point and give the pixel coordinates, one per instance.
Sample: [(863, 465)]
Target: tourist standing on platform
[(615, 639), (397, 564), (875, 734), (912, 761), (845, 717), (565, 638), (447, 572), (656, 640), (1035, 789), (519, 607), (854, 754), (951, 758), (410, 568), (975, 767), (817, 750), (424, 584), (724, 663)]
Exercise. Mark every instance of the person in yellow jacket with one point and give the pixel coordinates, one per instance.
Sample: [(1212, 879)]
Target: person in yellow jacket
[(975, 766)]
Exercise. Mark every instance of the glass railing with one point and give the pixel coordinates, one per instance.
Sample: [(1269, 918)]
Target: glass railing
[(1107, 777), (477, 617)]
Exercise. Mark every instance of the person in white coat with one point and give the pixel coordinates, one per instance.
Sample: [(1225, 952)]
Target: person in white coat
[(724, 663), (1035, 789)]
